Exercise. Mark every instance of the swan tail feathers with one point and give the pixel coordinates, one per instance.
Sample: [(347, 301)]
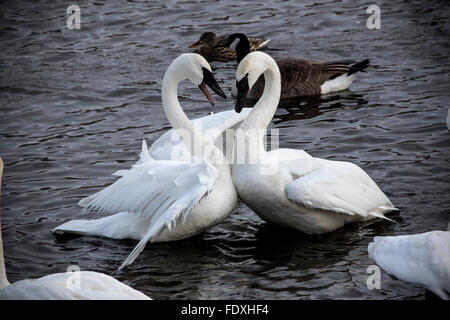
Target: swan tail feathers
[(379, 215), (145, 154), (122, 225), (136, 251)]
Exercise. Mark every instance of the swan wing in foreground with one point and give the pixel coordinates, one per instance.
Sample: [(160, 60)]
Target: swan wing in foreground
[(211, 127), (160, 192), (63, 286), (336, 186), (420, 258)]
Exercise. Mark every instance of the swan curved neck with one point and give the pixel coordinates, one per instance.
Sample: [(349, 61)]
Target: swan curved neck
[(191, 137), (3, 279), (264, 109), (255, 125)]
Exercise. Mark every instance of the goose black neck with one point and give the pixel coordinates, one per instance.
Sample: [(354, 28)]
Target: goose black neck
[(243, 47)]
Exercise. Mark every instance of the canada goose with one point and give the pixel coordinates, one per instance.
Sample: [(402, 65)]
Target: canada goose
[(300, 78), (212, 46)]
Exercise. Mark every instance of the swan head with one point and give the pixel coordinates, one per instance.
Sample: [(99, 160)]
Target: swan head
[(248, 71), (195, 68), (207, 39)]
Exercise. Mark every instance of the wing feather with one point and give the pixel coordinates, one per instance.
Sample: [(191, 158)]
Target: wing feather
[(337, 186), (211, 127), (160, 191), (419, 258)]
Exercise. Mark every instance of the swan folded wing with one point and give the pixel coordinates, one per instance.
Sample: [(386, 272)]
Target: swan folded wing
[(420, 258), (169, 146), (336, 186)]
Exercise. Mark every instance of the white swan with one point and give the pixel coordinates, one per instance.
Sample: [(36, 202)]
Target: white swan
[(161, 199), (289, 187), (64, 286), (419, 258)]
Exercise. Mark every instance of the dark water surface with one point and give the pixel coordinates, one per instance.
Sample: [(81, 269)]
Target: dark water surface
[(75, 105)]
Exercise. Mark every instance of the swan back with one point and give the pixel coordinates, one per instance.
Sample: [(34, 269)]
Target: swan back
[(420, 258), (92, 286)]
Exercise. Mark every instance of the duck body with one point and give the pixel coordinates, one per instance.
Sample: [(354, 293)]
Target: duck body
[(419, 258)]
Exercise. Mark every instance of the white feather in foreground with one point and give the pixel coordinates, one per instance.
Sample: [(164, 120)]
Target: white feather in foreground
[(80, 285), (92, 286), (420, 258)]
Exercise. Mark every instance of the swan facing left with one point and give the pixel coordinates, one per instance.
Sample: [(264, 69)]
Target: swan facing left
[(59, 286), (162, 199), (289, 187)]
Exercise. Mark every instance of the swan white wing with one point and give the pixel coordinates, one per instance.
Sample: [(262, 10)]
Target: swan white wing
[(169, 146), (341, 187), (161, 191), (82, 285), (420, 258)]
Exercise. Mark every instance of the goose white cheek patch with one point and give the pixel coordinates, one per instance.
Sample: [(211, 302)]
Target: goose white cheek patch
[(234, 44)]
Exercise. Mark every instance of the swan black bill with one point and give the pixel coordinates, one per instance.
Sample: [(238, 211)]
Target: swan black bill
[(242, 91), (209, 80)]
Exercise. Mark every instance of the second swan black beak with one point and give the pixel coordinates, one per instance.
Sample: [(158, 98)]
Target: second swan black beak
[(208, 80), (242, 91)]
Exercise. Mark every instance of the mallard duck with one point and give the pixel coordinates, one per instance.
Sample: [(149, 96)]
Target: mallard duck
[(300, 78), (212, 46)]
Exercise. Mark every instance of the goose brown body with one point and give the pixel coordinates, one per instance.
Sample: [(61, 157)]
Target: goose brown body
[(301, 78)]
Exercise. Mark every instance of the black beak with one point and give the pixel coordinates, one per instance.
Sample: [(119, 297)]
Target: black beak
[(209, 80), (242, 91)]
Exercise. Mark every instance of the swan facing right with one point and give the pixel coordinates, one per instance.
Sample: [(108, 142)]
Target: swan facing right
[(289, 187), (161, 198)]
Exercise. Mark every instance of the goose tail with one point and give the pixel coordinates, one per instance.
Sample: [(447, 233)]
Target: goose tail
[(359, 67)]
